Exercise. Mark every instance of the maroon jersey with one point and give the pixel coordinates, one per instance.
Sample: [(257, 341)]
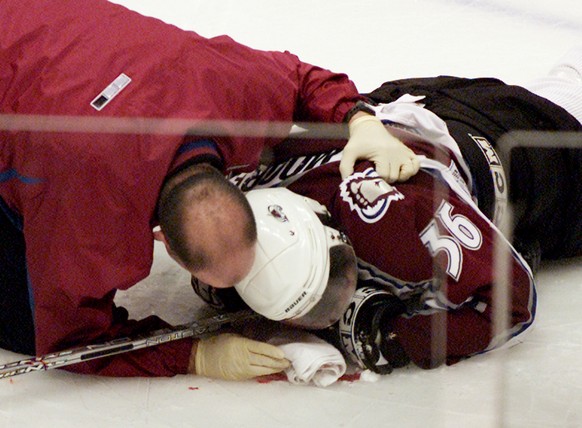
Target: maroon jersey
[(425, 240)]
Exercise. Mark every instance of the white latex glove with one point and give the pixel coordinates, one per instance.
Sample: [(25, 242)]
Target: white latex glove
[(370, 140), (233, 357)]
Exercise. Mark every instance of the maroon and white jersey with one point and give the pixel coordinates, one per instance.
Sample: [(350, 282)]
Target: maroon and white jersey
[(425, 240)]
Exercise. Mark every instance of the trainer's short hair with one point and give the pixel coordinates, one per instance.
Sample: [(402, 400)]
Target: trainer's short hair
[(197, 185)]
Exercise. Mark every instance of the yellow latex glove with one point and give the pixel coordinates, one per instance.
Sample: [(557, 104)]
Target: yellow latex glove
[(233, 357), (370, 140)]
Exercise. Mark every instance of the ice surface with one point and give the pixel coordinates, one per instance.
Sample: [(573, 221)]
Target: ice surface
[(535, 384)]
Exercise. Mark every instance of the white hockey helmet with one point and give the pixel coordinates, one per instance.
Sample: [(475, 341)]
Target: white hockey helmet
[(304, 272)]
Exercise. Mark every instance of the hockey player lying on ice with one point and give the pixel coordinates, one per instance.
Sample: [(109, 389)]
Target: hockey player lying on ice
[(77, 208), (405, 308)]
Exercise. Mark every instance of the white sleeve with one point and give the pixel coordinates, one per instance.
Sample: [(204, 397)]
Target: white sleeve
[(407, 114)]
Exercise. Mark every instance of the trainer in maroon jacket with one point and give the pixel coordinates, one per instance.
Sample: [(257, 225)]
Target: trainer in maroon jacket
[(86, 201)]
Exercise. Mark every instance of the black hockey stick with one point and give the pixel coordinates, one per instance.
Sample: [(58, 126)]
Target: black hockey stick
[(118, 346)]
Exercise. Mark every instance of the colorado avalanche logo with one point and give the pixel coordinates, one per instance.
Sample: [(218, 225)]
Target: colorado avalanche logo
[(368, 195)]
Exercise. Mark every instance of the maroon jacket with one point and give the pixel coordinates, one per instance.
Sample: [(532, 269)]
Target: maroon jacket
[(87, 200)]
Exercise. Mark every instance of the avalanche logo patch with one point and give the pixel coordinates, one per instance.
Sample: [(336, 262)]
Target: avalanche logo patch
[(368, 195)]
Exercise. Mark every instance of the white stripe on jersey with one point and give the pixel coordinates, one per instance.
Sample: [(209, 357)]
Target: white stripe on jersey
[(284, 173)]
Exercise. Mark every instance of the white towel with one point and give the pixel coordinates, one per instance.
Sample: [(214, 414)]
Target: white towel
[(312, 359)]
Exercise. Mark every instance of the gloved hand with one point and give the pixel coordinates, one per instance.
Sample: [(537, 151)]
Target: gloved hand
[(233, 357), (366, 336), (370, 140)]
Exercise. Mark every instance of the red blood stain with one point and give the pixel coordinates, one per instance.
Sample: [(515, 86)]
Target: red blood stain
[(278, 377), (354, 377), (193, 388)]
